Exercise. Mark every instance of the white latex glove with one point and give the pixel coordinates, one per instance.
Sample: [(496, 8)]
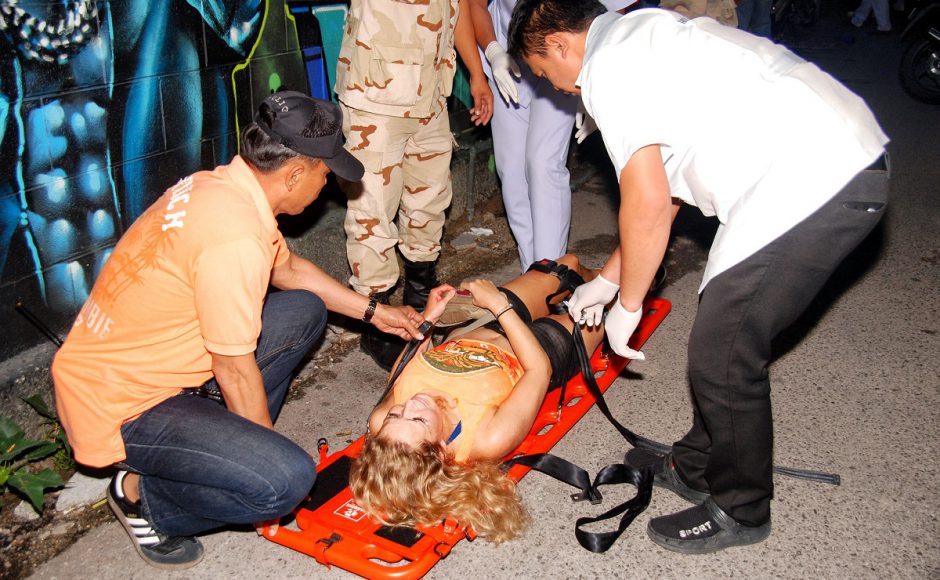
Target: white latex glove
[(504, 67), (584, 124), (586, 305), (619, 327)]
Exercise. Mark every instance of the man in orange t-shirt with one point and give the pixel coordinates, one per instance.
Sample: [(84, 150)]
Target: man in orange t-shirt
[(182, 307)]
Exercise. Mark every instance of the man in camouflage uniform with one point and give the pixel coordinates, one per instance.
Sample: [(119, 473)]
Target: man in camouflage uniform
[(721, 10), (396, 68)]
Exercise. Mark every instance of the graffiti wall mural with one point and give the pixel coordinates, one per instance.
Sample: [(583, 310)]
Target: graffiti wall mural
[(104, 104)]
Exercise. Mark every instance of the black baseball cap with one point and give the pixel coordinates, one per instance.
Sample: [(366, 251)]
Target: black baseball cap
[(311, 127)]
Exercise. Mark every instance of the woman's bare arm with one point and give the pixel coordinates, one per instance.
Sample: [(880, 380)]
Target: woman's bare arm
[(514, 417)]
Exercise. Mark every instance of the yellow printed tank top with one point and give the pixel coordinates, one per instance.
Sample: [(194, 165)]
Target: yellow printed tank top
[(478, 375)]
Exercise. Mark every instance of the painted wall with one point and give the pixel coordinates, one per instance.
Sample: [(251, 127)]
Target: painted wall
[(104, 104)]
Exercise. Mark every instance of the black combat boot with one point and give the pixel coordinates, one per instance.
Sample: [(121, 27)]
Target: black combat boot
[(382, 347), (420, 278)]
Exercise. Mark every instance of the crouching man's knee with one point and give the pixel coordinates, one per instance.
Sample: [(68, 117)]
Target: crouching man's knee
[(285, 486), (301, 476)]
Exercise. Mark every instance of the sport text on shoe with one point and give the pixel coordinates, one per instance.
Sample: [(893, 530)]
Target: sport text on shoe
[(697, 530)]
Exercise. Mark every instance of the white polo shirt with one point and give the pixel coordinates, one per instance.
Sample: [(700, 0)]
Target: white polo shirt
[(749, 132)]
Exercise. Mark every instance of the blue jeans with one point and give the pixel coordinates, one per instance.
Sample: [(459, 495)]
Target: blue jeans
[(755, 16), (203, 466)]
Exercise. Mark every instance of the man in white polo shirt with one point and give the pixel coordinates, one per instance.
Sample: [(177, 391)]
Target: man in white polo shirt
[(791, 195)]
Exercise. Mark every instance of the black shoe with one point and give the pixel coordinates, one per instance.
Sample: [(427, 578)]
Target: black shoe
[(664, 473), (169, 553), (420, 278), (703, 529), (383, 348)]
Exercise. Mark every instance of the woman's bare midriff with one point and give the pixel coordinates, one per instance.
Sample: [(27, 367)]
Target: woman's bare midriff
[(490, 336)]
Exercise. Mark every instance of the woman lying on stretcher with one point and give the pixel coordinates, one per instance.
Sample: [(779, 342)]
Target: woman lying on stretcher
[(435, 441)]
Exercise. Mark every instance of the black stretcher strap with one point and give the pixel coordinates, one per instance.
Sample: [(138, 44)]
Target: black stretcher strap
[(568, 279), (560, 469), (655, 446), (616, 473), (585, 362), (407, 354)]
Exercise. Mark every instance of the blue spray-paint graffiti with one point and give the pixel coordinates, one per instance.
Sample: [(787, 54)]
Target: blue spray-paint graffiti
[(320, 31), (56, 86), (104, 104), (164, 46)]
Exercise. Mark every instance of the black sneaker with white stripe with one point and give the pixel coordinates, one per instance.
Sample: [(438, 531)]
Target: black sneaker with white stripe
[(159, 551)]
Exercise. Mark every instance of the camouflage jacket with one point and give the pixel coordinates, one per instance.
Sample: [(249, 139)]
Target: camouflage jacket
[(721, 10), (397, 56)]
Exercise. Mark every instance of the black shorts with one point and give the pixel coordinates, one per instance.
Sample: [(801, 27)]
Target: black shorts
[(552, 336)]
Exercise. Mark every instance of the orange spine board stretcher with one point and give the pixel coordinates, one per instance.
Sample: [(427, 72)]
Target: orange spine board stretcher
[(336, 531)]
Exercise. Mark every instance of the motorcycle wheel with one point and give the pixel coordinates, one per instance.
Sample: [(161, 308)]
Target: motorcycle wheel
[(920, 70)]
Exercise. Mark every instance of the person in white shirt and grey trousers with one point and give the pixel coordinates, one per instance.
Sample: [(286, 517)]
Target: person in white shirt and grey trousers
[(792, 195), (531, 128)]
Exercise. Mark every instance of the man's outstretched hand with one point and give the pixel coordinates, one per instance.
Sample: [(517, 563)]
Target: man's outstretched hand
[(402, 321)]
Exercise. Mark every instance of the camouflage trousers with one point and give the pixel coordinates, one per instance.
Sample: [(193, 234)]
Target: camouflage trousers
[(407, 175)]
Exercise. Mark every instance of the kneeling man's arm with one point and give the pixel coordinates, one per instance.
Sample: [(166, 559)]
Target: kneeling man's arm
[(300, 274), (242, 387)]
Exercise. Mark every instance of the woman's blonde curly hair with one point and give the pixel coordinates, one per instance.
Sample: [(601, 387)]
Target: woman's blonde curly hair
[(401, 485)]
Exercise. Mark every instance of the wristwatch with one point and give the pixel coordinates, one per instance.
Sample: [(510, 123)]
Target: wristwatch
[(370, 309)]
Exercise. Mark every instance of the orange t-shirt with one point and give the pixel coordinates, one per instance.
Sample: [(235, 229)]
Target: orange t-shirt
[(478, 375), (188, 278)]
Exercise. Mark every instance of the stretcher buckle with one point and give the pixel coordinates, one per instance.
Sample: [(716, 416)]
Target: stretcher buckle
[(320, 554), (593, 495)]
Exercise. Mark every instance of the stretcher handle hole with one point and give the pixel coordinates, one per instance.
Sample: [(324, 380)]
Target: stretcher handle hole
[(390, 564)]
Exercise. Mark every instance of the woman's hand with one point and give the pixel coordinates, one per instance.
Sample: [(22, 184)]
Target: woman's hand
[(486, 295), (437, 301)]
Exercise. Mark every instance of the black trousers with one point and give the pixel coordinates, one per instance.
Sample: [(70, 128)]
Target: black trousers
[(729, 449)]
